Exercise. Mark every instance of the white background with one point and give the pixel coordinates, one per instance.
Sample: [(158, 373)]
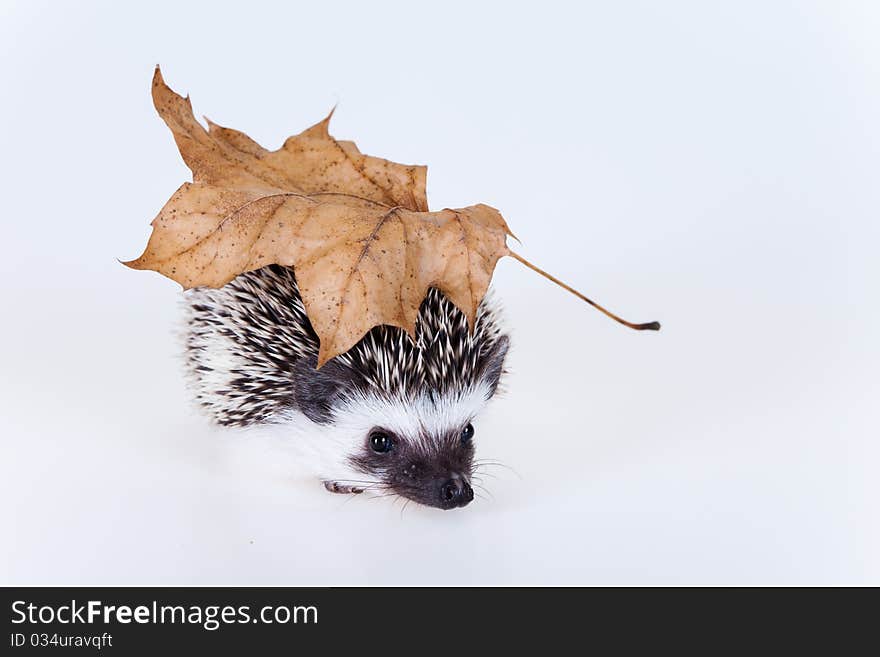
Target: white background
[(714, 166)]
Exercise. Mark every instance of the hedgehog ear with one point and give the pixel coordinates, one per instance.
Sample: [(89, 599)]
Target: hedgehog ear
[(493, 363), (315, 391)]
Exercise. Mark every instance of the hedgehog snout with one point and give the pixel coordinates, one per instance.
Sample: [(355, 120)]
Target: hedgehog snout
[(440, 479), (455, 492)]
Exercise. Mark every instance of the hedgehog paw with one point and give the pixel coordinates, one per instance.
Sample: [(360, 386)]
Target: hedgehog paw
[(344, 489)]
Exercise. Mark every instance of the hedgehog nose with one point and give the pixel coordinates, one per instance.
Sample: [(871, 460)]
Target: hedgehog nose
[(455, 492)]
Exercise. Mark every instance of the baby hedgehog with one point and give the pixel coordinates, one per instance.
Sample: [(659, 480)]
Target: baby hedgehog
[(389, 415)]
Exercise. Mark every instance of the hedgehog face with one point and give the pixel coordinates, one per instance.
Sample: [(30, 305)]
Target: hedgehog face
[(419, 448), (430, 468), (379, 435)]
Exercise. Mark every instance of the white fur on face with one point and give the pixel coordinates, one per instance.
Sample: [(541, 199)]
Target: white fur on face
[(326, 449)]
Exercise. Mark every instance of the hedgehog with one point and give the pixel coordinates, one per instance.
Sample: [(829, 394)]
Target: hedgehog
[(392, 414)]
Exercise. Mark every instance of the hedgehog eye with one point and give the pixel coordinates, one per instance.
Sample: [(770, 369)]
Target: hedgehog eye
[(381, 442), (467, 433)]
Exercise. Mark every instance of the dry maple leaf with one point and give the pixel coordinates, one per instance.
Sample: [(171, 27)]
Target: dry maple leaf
[(355, 228)]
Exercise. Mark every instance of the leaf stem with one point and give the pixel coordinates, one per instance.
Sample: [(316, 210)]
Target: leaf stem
[(648, 326)]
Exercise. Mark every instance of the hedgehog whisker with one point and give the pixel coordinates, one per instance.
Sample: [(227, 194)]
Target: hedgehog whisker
[(489, 462), (498, 464), (377, 497), (483, 473), (487, 491)]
